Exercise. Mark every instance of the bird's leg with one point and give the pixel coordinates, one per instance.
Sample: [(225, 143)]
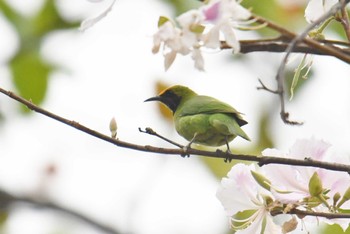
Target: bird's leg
[(228, 150), (188, 146)]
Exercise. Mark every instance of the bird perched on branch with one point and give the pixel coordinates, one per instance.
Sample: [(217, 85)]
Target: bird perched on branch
[(202, 119)]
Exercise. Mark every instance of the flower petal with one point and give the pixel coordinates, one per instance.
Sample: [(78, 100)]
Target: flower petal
[(90, 22), (169, 59), (198, 59), (238, 192), (316, 8)]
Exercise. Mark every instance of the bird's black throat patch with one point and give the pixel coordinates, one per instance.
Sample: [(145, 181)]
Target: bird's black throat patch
[(171, 100)]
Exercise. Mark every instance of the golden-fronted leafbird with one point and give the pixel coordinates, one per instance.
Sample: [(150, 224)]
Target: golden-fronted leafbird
[(202, 119)]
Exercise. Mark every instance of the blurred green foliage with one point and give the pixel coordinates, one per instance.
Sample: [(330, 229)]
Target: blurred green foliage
[(289, 16), (180, 6), (3, 218), (29, 69), (335, 229)]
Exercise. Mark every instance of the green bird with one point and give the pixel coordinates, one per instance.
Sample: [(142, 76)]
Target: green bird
[(202, 119)]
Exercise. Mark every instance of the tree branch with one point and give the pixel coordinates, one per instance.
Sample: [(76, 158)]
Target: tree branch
[(292, 44), (312, 43), (303, 213), (7, 200), (280, 44), (261, 160), (295, 40)]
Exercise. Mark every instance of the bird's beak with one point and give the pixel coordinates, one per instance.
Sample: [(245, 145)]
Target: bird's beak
[(156, 98)]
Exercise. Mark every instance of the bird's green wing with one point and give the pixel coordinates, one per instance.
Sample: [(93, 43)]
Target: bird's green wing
[(227, 126), (208, 105)]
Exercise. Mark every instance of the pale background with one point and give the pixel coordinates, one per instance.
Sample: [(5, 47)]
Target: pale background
[(110, 71)]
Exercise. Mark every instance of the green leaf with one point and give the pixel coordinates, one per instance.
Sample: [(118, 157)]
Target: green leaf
[(30, 71), (30, 75)]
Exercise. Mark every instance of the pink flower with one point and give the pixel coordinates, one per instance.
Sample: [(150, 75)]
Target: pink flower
[(212, 12)]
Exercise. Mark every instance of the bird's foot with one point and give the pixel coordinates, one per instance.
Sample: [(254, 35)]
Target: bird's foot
[(227, 159), (185, 150)]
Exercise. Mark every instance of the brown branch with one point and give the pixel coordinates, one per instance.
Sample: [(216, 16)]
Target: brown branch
[(182, 151), (279, 45), (6, 200), (326, 49), (303, 213)]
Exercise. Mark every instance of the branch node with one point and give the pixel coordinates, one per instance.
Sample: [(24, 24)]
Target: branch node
[(264, 87)]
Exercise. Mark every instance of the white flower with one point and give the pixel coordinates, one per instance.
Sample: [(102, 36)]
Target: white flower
[(293, 179), (224, 15), (290, 184), (316, 8), (182, 40), (90, 22), (191, 35), (246, 202)]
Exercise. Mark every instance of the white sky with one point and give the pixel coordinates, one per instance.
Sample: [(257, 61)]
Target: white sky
[(110, 71)]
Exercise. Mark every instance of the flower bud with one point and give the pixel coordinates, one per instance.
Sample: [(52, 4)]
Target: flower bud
[(113, 127), (261, 180), (315, 185), (345, 198), (336, 198)]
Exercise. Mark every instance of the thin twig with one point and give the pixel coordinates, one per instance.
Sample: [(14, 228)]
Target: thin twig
[(344, 19), (264, 87), (185, 151), (7, 200), (150, 131), (289, 50)]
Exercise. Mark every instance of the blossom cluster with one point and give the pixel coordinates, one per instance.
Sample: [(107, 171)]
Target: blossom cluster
[(206, 26), (252, 196), (200, 28)]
